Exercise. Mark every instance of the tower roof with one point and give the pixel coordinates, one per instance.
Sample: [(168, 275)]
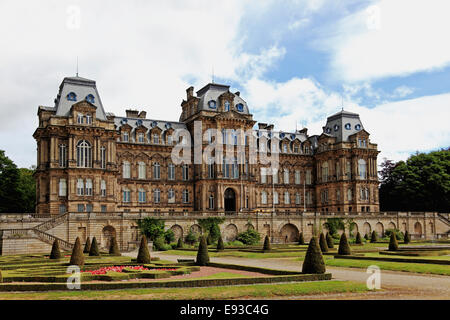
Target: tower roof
[(342, 125)]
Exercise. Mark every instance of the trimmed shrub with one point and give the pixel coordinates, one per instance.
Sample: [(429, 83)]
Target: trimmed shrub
[(313, 262), (358, 238), (87, 245), (1, 277), (249, 237), (93, 251), (344, 248), (366, 236), (77, 257), (407, 238), (301, 239), (393, 244), (374, 237), (202, 253), (191, 238), (55, 253), (158, 244), (323, 243), (220, 246), (398, 234), (143, 254), (329, 239), (209, 240), (266, 246), (180, 243), (114, 247)]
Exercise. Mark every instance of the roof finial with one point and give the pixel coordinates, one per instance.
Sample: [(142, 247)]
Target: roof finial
[(342, 102), (77, 66)]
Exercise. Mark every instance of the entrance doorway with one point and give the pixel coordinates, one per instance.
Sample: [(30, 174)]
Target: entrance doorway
[(230, 200)]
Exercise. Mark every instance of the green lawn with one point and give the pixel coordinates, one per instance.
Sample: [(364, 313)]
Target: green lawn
[(376, 254), (239, 254), (219, 293)]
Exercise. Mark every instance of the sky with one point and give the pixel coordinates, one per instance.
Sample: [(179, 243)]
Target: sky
[(294, 62)]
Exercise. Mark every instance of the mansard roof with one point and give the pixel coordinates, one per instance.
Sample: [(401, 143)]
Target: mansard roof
[(342, 125), (212, 91)]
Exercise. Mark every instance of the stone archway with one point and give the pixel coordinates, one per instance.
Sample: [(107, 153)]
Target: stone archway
[(195, 228), (108, 233), (177, 231), (249, 226), (367, 229), (289, 233), (418, 229), (229, 200), (231, 232), (379, 229), (391, 225), (355, 229)]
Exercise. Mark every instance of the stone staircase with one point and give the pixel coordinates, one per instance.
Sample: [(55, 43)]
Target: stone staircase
[(52, 223), (49, 238)]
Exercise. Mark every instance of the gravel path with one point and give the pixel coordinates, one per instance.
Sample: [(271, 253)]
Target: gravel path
[(398, 285)]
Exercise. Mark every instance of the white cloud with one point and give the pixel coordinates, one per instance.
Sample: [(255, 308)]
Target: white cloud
[(399, 128), (390, 38), (402, 91)]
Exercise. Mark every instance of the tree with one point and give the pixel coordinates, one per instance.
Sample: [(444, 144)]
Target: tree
[(152, 228), (407, 238), (77, 257), (202, 253), (220, 246), (87, 245), (249, 237), (9, 185), (313, 262), (93, 251), (323, 243), (393, 244), (114, 247), (344, 248), (334, 224), (180, 243), (143, 253), (266, 246), (27, 190), (209, 240), (329, 239), (211, 226), (358, 238), (421, 183), (301, 239), (55, 253), (191, 237), (374, 237), (169, 236)]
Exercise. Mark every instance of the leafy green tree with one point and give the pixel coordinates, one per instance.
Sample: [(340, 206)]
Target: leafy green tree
[(10, 198), (191, 237), (211, 226), (313, 262), (374, 237), (249, 237), (180, 243), (169, 236), (152, 228), (422, 183), (87, 245), (27, 190), (358, 238), (114, 247), (334, 224)]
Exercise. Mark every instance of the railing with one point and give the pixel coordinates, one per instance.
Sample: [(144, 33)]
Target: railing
[(46, 237), (52, 223)]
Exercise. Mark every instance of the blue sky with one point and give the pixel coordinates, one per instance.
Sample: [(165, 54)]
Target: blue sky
[(294, 62)]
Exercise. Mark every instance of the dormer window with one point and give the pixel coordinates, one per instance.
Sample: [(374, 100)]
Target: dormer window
[(126, 137), (336, 127), (88, 119), (90, 98), (358, 127), (328, 130), (212, 104), (240, 107), (154, 124), (141, 137), (282, 135), (72, 96), (80, 118), (227, 106), (348, 126)]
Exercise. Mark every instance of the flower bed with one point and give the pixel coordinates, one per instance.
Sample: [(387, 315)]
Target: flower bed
[(104, 270)]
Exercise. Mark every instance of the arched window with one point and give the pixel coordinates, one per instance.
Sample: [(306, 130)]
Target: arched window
[(156, 171), (84, 154), (90, 98), (362, 169), (286, 197), (325, 171), (72, 96), (141, 170), (126, 170)]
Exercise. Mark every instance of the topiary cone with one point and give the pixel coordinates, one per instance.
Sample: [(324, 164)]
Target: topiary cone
[(358, 238), (313, 262), (114, 247), (55, 253), (374, 237), (323, 243), (77, 257), (1, 277), (202, 253), (344, 248), (393, 244), (87, 246), (407, 238), (209, 239), (329, 239), (180, 243), (301, 239), (366, 236), (93, 251), (143, 254), (266, 246), (220, 246)]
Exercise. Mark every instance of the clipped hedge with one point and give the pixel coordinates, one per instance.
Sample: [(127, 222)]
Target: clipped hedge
[(87, 245), (93, 251), (55, 254), (143, 254), (266, 246), (77, 257), (323, 243)]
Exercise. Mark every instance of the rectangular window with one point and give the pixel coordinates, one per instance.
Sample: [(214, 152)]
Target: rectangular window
[(126, 195), (297, 176), (264, 197), (63, 156), (298, 198), (80, 208), (211, 171), (80, 187), (286, 176), (275, 197), (275, 176), (62, 187), (185, 172), (286, 197), (169, 140), (171, 196), (88, 187), (126, 170), (308, 177), (171, 171), (80, 118), (141, 170), (88, 119), (263, 175), (156, 171), (185, 196), (348, 171), (157, 196), (62, 208), (296, 148), (103, 208), (156, 138), (103, 157), (103, 188), (141, 196), (141, 137), (89, 208), (126, 137)]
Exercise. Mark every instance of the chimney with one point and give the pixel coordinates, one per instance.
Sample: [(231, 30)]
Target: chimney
[(269, 127), (237, 93), (262, 125), (190, 92), (142, 114), (304, 131), (132, 113)]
